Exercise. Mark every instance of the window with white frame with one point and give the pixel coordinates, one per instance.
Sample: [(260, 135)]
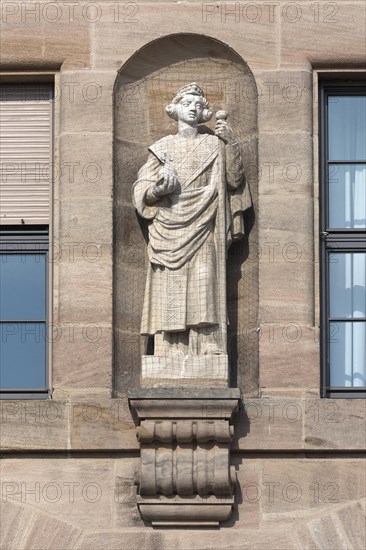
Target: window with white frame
[(343, 237)]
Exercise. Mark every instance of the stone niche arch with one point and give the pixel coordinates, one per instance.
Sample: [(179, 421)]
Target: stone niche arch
[(144, 85)]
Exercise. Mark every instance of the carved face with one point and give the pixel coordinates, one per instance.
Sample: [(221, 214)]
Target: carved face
[(190, 109)]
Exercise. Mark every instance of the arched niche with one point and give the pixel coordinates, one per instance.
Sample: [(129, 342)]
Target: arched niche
[(144, 86)]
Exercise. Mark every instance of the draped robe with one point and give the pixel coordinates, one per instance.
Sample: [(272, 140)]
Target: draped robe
[(182, 286)]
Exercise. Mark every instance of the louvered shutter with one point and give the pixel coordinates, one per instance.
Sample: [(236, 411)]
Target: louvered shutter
[(25, 153)]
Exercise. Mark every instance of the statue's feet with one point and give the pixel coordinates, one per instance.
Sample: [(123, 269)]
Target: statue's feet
[(213, 349)]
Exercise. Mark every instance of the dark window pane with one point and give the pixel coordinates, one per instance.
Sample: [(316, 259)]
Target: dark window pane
[(347, 284), (347, 350), (22, 355), (347, 195), (347, 127), (22, 287)]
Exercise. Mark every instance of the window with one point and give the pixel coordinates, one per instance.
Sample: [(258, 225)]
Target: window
[(343, 238), (23, 310), (25, 161)]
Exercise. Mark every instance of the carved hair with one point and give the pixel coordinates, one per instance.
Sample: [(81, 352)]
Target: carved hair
[(192, 89)]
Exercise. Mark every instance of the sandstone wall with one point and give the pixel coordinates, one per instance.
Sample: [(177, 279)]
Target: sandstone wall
[(298, 458), (89, 502)]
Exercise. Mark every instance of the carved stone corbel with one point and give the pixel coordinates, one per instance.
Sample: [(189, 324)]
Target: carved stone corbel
[(185, 473)]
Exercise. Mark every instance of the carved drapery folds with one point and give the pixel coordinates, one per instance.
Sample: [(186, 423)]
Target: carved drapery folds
[(185, 473)]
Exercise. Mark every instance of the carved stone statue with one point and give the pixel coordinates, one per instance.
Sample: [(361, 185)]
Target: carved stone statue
[(192, 189)]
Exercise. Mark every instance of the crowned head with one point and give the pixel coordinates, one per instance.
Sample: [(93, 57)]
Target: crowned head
[(190, 105)]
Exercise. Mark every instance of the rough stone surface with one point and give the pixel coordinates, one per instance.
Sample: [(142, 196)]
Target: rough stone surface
[(238, 540), (285, 166), (121, 539), (307, 486), (113, 48), (289, 356), (130, 250), (79, 491), (335, 424), (285, 102), (36, 40), (102, 424), (290, 304), (33, 424), (247, 494), (48, 532), (86, 164), (86, 101), (322, 533), (129, 348), (269, 424), (126, 513), (129, 305), (93, 292), (289, 246), (353, 522), (15, 519), (330, 37), (77, 226), (88, 345), (303, 503), (280, 421)]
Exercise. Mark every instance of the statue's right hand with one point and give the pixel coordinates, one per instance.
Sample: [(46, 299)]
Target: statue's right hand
[(167, 182), (166, 185)]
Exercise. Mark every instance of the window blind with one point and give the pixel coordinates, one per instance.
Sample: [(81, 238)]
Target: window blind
[(25, 153)]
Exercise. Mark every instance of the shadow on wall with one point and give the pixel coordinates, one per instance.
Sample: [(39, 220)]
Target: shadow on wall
[(144, 86)]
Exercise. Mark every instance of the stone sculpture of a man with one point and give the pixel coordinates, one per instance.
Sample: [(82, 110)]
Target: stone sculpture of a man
[(191, 188)]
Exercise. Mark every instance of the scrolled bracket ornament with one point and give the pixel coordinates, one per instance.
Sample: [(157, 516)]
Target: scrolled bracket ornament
[(185, 473)]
